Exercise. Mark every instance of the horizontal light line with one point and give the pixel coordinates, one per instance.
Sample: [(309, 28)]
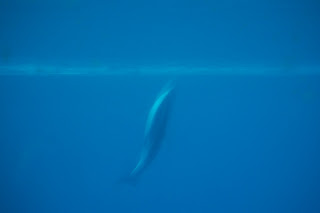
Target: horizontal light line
[(158, 70)]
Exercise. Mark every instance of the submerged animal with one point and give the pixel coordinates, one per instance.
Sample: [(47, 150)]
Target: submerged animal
[(155, 130)]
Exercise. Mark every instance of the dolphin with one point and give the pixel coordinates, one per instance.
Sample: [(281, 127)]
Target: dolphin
[(155, 130)]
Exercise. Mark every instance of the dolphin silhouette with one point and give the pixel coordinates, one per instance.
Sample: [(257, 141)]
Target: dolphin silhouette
[(155, 130)]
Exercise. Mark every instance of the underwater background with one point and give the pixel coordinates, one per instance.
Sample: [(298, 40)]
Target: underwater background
[(78, 78)]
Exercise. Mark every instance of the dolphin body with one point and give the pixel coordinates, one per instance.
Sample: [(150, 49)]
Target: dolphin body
[(154, 132)]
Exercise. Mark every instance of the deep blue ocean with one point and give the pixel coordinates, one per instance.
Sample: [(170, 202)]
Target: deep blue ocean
[(235, 142)]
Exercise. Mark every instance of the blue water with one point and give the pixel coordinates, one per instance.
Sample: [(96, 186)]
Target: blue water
[(236, 142), (131, 32)]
